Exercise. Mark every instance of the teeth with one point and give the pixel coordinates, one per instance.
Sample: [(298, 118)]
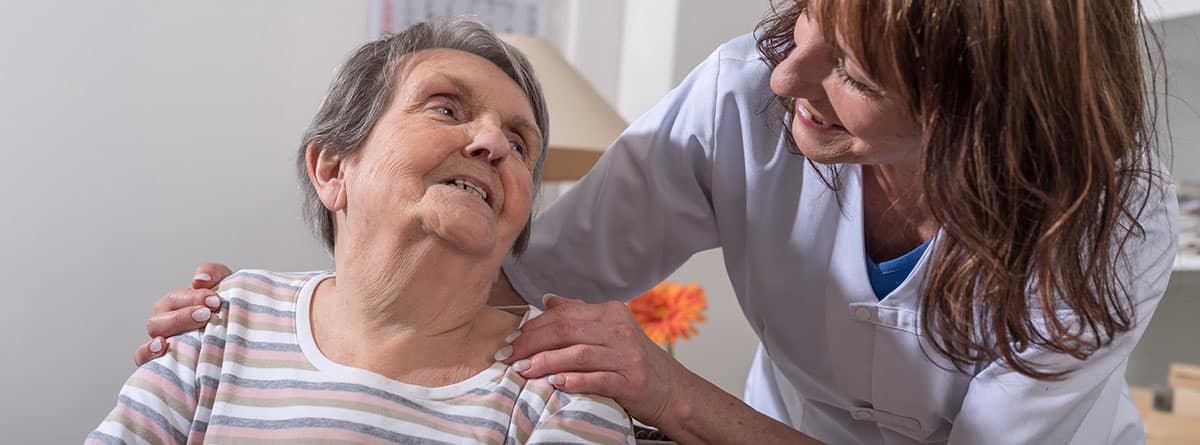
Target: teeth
[(808, 115), (470, 187)]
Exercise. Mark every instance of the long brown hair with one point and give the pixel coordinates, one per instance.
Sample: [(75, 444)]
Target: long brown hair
[(1036, 132)]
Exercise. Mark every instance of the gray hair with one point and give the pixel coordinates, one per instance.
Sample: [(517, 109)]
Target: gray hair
[(363, 88)]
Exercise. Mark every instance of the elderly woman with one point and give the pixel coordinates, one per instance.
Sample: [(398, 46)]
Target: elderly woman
[(420, 169)]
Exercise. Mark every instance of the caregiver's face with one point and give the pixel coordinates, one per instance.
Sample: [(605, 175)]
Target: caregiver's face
[(840, 115), (452, 156)]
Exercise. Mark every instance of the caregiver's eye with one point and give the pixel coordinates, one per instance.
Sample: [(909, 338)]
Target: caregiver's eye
[(852, 82)]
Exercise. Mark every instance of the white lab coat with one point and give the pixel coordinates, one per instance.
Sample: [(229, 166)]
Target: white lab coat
[(708, 167)]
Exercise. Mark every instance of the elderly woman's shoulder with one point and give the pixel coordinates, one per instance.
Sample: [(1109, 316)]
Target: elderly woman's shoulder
[(594, 418), (282, 286)]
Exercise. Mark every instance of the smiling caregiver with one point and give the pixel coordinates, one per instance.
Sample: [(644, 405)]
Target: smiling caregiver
[(954, 229)]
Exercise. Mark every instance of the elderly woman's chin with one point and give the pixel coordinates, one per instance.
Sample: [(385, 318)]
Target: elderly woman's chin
[(466, 229)]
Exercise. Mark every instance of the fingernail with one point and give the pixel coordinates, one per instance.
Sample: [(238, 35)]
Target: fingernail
[(512, 337), (201, 277), (546, 299), (202, 314), (521, 365), (504, 353), (556, 379), (213, 301), (156, 346)]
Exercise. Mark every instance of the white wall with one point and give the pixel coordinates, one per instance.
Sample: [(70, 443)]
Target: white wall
[(142, 138), (704, 24)]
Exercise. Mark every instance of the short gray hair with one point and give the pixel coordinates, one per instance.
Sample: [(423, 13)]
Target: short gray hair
[(363, 88)]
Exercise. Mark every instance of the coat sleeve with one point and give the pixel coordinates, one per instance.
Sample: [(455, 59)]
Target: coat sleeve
[(1091, 405), (643, 210)]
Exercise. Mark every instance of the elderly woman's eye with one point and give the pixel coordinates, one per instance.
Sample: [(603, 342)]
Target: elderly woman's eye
[(446, 111), (517, 147)]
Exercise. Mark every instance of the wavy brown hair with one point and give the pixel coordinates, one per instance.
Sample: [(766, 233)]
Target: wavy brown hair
[(1037, 127)]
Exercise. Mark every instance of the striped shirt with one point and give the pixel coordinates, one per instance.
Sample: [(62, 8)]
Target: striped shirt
[(255, 375)]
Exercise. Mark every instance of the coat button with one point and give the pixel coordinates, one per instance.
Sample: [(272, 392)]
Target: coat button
[(862, 314)]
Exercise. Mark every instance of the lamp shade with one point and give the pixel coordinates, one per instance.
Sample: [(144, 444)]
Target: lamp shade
[(582, 123)]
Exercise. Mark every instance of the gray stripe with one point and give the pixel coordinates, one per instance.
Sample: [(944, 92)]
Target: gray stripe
[(170, 376), (529, 413), (215, 340), (259, 345), (154, 416), (503, 391), (266, 279), (189, 338), (594, 420), (105, 438), (314, 422), (349, 387), (261, 309), (210, 382)]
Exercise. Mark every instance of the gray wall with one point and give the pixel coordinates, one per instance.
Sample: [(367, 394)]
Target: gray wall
[(1174, 332), (142, 138), (1181, 42)]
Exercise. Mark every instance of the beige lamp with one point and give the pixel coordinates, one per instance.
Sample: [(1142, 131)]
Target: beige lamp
[(582, 123)]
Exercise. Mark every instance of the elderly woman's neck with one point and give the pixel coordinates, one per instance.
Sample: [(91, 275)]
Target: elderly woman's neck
[(430, 304), (428, 287)]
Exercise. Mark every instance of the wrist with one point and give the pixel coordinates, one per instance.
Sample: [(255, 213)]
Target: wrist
[(683, 396)]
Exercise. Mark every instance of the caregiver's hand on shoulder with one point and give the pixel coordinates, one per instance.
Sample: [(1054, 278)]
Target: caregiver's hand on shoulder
[(598, 349), (182, 310)]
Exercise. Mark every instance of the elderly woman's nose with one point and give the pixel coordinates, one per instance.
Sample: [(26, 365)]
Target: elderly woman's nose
[(489, 142)]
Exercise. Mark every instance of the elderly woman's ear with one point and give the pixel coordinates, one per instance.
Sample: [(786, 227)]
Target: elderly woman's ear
[(325, 169)]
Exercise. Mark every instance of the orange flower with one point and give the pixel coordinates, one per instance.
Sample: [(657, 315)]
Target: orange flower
[(666, 312)]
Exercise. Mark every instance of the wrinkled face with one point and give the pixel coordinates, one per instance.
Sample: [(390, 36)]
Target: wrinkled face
[(841, 115), (452, 157)]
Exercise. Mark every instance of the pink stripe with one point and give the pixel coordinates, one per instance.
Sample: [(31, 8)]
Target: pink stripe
[(168, 387), (142, 424), (523, 423), (183, 351), (195, 437)]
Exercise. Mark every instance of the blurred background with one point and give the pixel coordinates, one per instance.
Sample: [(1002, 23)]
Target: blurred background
[(144, 138)]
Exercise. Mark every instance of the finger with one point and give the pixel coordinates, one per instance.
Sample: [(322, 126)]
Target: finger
[(565, 333), (181, 298), (568, 311), (150, 350), (167, 324), (209, 274), (551, 300), (604, 383), (574, 358)]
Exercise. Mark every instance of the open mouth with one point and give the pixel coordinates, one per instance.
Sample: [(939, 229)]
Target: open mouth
[(470, 186), (808, 118)]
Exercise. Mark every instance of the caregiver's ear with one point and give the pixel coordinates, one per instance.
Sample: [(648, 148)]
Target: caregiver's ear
[(325, 169)]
